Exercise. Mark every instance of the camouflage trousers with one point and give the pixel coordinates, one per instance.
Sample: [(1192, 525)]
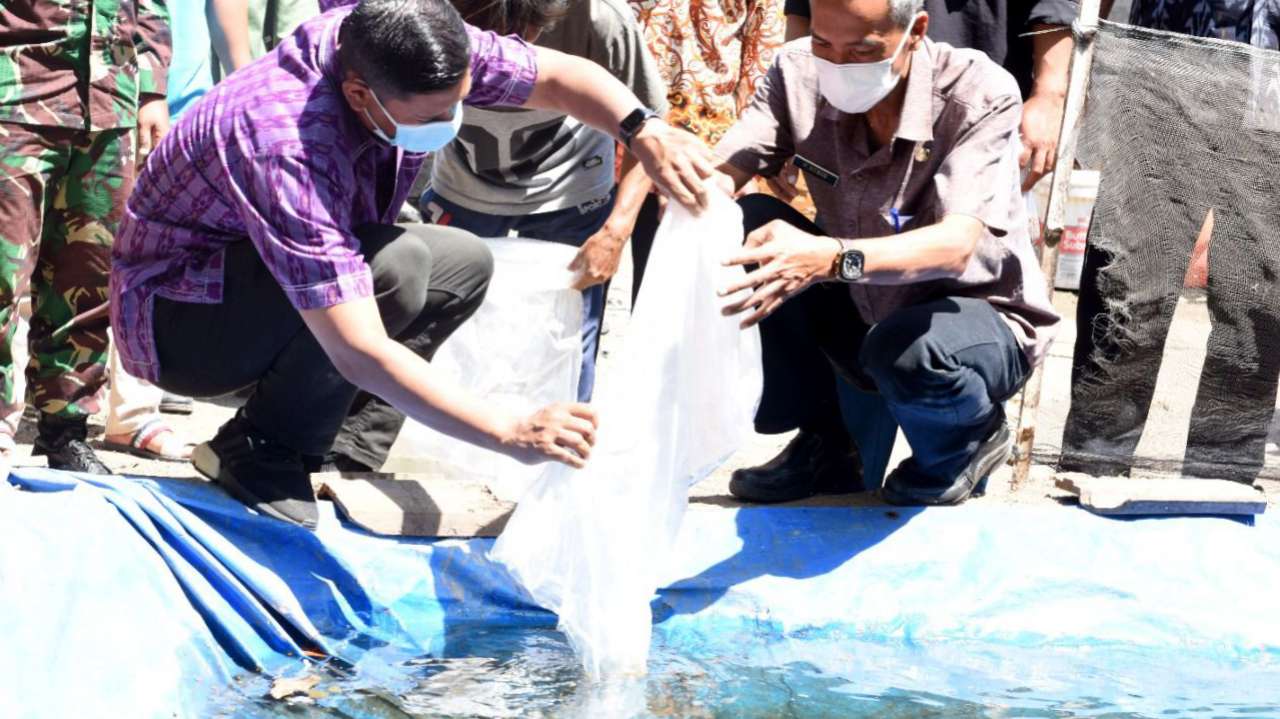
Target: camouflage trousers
[(62, 194)]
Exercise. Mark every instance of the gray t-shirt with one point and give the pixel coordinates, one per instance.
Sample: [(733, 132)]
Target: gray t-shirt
[(511, 161)]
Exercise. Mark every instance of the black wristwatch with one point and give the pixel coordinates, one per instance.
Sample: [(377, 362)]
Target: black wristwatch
[(848, 264), (631, 124)]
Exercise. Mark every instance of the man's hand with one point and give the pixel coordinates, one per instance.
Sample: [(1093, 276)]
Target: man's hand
[(562, 432), (1041, 122), (1042, 112), (789, 261), (153, 123), (598, 259), (784, 184), (677, 162)]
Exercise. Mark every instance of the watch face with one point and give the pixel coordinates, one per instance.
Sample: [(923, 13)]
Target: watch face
[(851, 266)]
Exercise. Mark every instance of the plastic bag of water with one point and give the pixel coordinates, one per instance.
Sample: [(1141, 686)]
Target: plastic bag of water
[(592, 544), (521, 350)]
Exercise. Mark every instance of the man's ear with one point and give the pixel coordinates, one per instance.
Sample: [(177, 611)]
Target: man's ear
[(919, 29), (358, 94)]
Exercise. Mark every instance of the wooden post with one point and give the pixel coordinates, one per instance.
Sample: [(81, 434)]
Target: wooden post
[(1025, 437), (1055, 218)]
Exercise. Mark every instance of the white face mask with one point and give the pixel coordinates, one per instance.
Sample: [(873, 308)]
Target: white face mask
[(857, 86)]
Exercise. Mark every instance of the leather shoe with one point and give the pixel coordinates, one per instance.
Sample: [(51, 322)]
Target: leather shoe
[(265, 475), (908, 486), (812, 463)]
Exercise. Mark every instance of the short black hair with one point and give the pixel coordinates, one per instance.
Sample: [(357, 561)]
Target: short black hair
[(405, 47), (512, 17)]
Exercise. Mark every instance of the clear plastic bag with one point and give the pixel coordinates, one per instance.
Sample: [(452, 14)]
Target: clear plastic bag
[(591, 544), (521, 350)]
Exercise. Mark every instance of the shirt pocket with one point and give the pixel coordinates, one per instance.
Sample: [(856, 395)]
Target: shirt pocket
[(913, 214)]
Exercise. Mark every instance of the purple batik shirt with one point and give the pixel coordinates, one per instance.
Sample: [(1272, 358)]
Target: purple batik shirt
[(275, 156)]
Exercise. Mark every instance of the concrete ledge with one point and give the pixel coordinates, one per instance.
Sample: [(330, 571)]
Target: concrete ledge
[(1175, 496)]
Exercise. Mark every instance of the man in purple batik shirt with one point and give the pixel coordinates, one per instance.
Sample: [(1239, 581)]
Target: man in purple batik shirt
[(259, 247)]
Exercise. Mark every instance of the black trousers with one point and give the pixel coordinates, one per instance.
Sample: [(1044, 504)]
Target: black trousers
[(943, 367), (427, 280)]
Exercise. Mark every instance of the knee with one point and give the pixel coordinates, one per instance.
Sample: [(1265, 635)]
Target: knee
[(402, 269), (759, 209), (477, 261), (904, 363), (401, 277)]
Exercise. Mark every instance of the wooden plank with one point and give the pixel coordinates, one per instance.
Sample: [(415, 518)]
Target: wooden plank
[(402, 505), (1122, 496), (1024, 437)]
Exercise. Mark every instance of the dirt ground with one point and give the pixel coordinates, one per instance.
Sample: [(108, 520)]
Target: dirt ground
[(1164, 439)]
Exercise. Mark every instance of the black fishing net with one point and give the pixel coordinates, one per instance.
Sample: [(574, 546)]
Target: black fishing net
[(1179, 126)]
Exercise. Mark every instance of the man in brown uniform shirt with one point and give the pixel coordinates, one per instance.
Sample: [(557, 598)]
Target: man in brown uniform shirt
[(919, 280)]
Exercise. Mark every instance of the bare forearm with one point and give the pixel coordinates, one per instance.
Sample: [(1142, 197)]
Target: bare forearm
[(582, 90), (939, 251), (632, 190), (1051, 55), (231, 32), (352, 336), (410, 384), (676, 161)]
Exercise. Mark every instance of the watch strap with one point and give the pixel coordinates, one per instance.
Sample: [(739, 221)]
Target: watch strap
[(633, 122)]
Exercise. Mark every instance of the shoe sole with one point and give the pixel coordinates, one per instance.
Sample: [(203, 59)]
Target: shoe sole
[(207, 463), (747, 497)]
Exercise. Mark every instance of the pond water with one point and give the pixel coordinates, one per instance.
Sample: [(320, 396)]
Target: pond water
[(523, 672)]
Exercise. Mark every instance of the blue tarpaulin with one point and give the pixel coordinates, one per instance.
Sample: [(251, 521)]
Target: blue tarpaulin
[(139, 597)]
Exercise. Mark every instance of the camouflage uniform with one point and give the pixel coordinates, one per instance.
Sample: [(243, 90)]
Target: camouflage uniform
[(72, 75)]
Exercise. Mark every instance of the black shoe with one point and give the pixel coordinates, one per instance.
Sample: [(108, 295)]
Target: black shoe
[(266, 475), (907, 486), (62, 440), (811, 464)]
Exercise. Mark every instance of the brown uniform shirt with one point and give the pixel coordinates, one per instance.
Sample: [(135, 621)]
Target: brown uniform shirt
[(955, 152)]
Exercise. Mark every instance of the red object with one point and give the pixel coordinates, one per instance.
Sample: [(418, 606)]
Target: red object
[(1198, 273)]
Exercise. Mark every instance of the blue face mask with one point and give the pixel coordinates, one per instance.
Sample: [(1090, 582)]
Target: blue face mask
[(427, 137)]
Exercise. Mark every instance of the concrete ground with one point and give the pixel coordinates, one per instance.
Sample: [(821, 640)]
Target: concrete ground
[(1164, 439)]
